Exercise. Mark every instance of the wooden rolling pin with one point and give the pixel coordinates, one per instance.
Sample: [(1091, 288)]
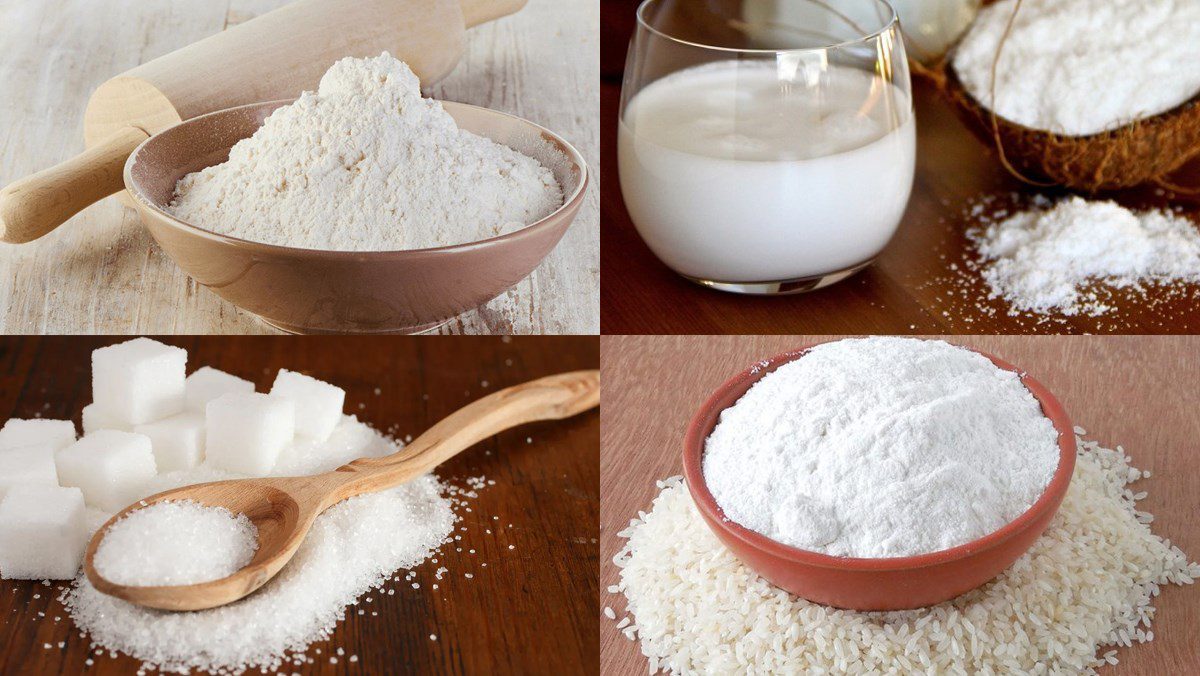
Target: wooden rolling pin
[(275, 56)]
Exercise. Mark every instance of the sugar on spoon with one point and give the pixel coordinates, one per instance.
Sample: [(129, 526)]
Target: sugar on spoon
[(284, 508)]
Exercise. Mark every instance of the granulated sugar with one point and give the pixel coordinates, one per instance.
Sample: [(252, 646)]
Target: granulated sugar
[(881, 447), (366, 164), (1079, 67), (1089, 581), (1049, 259), (176, 542), (343, 557)]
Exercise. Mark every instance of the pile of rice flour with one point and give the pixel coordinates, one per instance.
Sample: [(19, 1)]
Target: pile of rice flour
[(1044, 259), (1089, 581), (881, 447), (1079, 67), (366, 164)]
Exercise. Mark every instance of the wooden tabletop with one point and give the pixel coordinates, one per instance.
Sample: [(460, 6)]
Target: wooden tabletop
[(911, 288), (531, 610), (101, 272), (1137, 391)]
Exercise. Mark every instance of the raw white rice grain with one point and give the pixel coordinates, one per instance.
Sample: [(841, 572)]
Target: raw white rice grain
[(1088, 582)]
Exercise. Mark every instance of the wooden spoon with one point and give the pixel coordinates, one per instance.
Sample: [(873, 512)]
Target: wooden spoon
[(284, 508)]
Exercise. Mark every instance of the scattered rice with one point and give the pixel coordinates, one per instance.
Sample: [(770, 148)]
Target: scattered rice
[(1087, 582)]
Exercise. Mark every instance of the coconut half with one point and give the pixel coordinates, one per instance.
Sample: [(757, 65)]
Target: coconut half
[(1143, 151), (1140, 152)]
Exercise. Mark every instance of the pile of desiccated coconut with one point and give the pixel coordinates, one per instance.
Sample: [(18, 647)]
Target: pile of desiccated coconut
[(1043, 260), (1079, 67), (1087, 584)]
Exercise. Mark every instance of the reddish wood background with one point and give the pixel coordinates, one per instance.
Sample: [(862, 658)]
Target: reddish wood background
[(909, 289), (531, 610), (1137, 391)]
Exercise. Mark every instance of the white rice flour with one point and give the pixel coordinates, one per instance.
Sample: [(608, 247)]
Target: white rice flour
[(881, 447)]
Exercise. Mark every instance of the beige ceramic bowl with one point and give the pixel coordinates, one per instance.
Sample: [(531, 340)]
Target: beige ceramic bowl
[(310, 291)]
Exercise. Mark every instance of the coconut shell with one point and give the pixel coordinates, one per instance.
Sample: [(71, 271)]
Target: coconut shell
[(1143, 151)]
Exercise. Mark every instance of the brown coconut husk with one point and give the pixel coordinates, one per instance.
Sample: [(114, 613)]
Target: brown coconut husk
[(1144, 151)]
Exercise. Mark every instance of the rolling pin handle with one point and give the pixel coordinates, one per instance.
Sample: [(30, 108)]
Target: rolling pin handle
[(476, 12), (33, 206)]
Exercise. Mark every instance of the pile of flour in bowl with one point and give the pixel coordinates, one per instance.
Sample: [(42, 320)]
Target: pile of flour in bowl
[(881, 447), (366, 164), (1079, 67)]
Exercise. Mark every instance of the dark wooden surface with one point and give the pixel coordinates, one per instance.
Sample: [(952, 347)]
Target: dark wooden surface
[(531, 610), (1137, 391), (909, 289)]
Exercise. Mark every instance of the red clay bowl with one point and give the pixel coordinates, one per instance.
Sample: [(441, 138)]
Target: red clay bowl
[(312, 291), (875, 584)]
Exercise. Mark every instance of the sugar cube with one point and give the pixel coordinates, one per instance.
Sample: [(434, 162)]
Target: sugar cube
[(245, 432), (30, 465), (208, 383), (111, 467), (37, 432), (178, 441), (42, 533), (138, 381), (95, 419), (318, 404)]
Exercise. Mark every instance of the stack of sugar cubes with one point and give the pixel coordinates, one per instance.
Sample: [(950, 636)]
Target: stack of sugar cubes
[(146, 418)]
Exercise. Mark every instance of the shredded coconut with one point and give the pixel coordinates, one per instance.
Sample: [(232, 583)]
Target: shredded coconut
[(366, 164), (881, 447), (1079, 67), (1089, 581), (1044, 259)]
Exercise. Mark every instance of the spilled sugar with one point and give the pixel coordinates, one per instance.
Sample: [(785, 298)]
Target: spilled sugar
[(343, 558), (174, 543), (1089, 581)]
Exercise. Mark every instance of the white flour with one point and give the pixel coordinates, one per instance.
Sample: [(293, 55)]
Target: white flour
[(1043, 260), (1080, 67), (366, 164), (881, 447)]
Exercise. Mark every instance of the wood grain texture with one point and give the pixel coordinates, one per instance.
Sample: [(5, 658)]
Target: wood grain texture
[(531, 610), (911, 287), (1137, 391), (102, 272)]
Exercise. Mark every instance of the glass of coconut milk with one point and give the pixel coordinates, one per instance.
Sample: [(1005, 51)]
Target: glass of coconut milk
[(766, 146)]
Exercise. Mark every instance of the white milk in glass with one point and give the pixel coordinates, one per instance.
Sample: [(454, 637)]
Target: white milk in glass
[(732, 175)]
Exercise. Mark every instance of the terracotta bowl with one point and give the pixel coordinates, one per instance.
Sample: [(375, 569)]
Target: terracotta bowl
[(875, 584), (312, 291)]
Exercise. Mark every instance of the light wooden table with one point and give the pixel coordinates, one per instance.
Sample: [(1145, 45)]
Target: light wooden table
[(102, 273), (1137, 391)]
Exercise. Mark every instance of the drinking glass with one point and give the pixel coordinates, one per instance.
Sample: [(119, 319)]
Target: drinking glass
[(766, 146)]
